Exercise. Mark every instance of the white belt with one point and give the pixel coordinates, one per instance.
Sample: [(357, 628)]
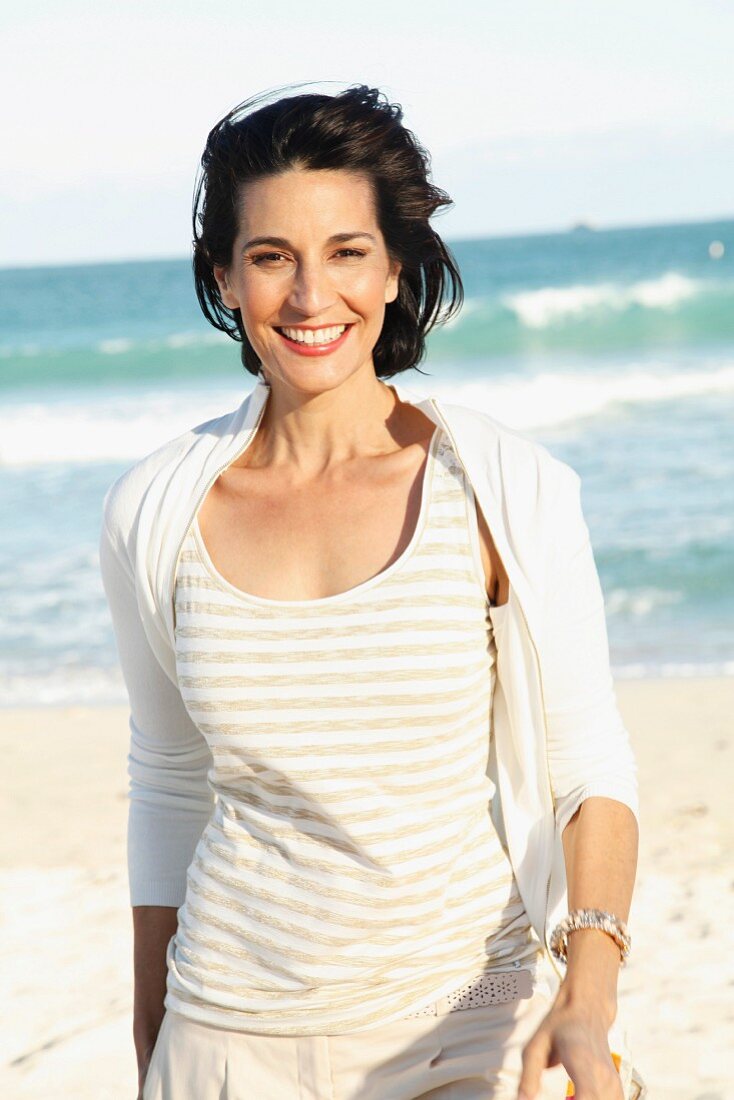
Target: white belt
[(486, 989)]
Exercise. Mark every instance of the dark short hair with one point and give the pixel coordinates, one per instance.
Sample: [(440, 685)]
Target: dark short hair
[(359, 130)]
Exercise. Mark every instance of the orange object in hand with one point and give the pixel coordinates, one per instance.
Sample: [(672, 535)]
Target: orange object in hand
[(616, 1058)]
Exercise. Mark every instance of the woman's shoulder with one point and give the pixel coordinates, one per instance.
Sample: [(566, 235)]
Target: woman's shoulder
[(125, 496), (509, 453), (532, 495)]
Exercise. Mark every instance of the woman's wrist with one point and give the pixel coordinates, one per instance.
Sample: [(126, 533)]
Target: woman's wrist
[(146, 1026), (588, 1001), (592, 973)]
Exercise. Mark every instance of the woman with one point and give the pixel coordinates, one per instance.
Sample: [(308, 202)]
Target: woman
[(371, 625)]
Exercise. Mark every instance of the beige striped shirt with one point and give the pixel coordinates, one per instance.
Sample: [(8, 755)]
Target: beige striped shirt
[(350, 872)]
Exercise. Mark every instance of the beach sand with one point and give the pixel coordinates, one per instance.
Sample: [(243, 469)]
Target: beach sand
[(66, 928)]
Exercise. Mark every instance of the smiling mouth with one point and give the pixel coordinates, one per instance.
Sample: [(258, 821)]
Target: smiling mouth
[(313, 337)]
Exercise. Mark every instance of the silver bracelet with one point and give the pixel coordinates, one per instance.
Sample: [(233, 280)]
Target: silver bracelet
[(590, 918)]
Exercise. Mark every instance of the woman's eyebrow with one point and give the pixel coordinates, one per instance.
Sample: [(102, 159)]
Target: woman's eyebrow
[(281, 242)]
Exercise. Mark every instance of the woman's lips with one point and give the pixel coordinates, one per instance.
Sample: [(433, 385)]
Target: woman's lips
[(315, 349)]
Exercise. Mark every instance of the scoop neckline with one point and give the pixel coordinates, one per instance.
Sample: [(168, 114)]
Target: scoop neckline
[(349, 593)]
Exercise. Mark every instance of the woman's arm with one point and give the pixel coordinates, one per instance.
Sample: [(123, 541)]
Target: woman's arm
[(600, 848), (593, 775), (169, 797), (592, 766), (589, 748), (168, 761), (153, 926), (600, 845)]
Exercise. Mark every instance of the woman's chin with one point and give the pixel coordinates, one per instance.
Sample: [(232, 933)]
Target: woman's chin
[(313, 376)]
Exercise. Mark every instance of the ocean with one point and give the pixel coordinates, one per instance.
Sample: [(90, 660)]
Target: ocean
[(614, 348)]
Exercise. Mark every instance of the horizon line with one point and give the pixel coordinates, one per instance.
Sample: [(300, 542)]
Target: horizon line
[(590, 225)]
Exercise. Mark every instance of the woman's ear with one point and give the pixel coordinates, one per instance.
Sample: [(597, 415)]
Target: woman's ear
[(392, 286), (225, 290)]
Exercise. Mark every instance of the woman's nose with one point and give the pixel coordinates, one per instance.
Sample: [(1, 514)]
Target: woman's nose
[(311, 291)]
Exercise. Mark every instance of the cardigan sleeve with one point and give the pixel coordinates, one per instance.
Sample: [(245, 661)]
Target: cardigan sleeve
[(169, 796), (589, 748)]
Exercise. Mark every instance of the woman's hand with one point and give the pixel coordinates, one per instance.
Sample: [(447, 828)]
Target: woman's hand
[(575, 1037), (144, 1051), (142, 1074)]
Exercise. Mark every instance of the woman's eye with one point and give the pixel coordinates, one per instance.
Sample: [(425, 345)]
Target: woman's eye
[(266, 256), (350, 251)]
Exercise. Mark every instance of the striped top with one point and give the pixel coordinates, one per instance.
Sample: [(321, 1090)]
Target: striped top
[(350, 872)]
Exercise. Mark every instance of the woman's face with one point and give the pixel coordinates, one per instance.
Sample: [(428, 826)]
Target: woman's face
[(309, 256)]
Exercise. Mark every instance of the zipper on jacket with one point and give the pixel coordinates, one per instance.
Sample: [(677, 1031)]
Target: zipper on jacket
[(551, 956), (200, 499)]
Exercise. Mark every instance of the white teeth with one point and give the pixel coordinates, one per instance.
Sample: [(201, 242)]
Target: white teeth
[(317, 336)]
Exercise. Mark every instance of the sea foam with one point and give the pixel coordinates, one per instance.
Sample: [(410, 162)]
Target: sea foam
[(96, 426)]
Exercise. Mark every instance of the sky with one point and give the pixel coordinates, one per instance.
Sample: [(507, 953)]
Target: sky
[(537, 114)]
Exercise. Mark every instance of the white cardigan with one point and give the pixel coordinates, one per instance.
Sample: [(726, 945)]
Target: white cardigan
[(558, 735)]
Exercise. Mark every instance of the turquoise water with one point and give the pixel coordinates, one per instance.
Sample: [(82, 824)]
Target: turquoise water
[(614, 348)]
